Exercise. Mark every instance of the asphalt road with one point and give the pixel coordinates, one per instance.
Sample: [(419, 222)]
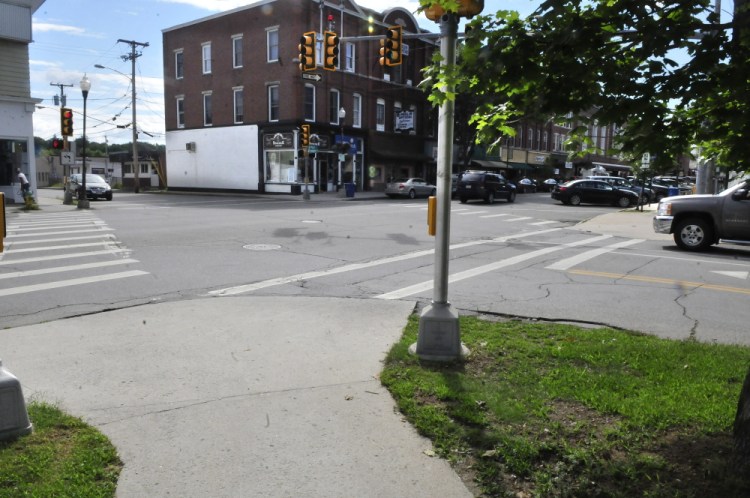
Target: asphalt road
[(531, 259)]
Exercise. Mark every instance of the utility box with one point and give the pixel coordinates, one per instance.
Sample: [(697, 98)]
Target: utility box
[(14, 419)]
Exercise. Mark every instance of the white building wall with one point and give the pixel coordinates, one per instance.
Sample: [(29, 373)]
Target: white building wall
[(224, 158)]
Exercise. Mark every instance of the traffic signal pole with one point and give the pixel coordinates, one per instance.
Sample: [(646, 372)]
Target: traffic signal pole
[(439, 336)]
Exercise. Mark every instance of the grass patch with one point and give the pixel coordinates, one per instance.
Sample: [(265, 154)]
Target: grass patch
[(557, 410), (62, 457)]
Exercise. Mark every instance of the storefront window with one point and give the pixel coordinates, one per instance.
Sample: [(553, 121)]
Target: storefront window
[(280, 166), (12, 154)]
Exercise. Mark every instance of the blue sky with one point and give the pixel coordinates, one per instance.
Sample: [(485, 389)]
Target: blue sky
[(71, 36)]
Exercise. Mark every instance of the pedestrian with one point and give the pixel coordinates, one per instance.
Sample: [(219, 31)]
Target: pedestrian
[(24, 182)]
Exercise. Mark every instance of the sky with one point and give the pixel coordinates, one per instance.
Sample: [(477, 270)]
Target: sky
[(72, 36)]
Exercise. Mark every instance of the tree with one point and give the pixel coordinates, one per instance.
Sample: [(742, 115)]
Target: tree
[(665, 72)]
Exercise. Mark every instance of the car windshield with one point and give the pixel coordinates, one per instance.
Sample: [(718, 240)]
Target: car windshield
[(471, 177), (94, 179), (400, 180)]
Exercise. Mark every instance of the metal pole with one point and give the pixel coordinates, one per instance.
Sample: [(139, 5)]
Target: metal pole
[(136, 162), (83, 202), (439, 335)]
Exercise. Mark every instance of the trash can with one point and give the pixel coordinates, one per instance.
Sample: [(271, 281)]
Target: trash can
[(672, 191), (349, 189), (296, 189), (14, 419)]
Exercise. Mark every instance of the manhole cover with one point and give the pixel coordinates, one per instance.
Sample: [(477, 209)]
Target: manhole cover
[(262, 247)]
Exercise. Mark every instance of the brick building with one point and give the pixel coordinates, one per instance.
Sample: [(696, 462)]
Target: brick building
[(236, 99)]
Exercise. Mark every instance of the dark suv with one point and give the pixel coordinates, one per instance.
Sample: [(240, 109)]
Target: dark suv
[(484, 185)]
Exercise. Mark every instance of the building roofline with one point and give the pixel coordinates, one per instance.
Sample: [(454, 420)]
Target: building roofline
[(218, 15)]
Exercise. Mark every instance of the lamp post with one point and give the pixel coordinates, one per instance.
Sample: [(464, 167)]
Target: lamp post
[(83, 202), (342, 116), (136, 164)]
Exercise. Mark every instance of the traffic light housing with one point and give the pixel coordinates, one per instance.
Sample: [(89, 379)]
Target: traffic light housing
[(66, 122), (390, 51), (58, 143), (330, 50), (307, 52), (305, 135)]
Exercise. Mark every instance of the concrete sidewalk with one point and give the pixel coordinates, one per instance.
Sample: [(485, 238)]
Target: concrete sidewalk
[(237, 397)]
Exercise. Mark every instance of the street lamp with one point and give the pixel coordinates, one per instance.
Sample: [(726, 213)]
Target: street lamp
[(83, 202), (136, 164), (342, 116)]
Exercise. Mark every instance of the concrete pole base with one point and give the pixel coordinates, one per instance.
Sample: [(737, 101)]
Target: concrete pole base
[(83, 203), (68, 198), (439, 336)]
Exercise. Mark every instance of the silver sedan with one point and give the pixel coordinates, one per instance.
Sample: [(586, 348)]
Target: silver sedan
[(409, 187)]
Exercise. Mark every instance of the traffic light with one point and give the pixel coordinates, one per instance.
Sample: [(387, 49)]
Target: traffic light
[(307, 52), (66, 122), (58, 143), (390, 51), (330, 51), (305, 135)]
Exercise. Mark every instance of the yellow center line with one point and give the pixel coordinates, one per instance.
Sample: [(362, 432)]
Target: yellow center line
[(657, 280)]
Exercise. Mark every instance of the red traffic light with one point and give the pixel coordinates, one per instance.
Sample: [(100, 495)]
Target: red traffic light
[(58, 143)]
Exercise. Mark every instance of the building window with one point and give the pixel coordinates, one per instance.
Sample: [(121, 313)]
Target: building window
[(237, 51), (206, 50), (273, 102), (413, 110), (180, 112), (380, 115), (208, 116), (396, 112), (545, 139), (350, 57), (309, 102), (239, 106), (272, 44), (334, 103), (179, 64), (357, 110)]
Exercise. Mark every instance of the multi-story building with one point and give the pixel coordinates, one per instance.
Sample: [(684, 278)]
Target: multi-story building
[(16, 105), (236, 100)]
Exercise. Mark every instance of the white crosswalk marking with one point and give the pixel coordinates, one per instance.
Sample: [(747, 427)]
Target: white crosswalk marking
[(37, 244)]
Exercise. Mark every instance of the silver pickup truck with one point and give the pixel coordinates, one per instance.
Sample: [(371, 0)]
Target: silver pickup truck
[(699, 221)]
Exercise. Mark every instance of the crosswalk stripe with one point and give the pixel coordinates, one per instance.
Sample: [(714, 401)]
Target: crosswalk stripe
[(481, 270), (57, 227), (61, 269), (593, 253), (63, 239), (64, 232), (63, 256), (69, 283)]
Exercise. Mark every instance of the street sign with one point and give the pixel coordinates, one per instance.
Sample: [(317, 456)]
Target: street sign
[(66, 158), (311, 76), (312, 149)]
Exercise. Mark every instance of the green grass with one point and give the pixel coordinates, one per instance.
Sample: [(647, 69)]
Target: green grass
[(62, 457), (556, 410)]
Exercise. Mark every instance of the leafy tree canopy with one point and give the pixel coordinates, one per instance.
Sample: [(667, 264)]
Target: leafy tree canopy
[(666, 72)]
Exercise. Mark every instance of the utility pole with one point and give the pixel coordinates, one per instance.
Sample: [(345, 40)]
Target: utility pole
[(132, 56)]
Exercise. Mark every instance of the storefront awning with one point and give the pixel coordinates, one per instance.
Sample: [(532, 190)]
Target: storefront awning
[(401, 156), (501, 165), (613, 167)]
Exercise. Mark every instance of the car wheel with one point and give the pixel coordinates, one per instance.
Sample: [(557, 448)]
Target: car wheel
[(463, 200), (694, 234), (512, 197), (412, 194), (623, 201), (109, 197), (490, 198), (575, 199)]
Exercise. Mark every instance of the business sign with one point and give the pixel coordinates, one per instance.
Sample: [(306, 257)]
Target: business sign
[(278, 141), (405, 120)]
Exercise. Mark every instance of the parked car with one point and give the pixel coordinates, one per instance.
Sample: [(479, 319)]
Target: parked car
[(576, 192), (409, 187), (647, 195), (486, 186), (526, 185), (661, 188), (548, 185), (96, 186), (699, 221)]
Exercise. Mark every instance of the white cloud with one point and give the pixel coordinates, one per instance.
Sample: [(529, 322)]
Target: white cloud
[(59, 28)]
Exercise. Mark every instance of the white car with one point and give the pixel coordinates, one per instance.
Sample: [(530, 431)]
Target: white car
[(409, 187)]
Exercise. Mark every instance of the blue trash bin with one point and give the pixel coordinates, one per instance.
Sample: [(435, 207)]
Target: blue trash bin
[(349, 189), (672, 191)]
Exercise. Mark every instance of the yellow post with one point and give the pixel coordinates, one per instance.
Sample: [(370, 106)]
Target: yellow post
[(3, 233), (431, 215)]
